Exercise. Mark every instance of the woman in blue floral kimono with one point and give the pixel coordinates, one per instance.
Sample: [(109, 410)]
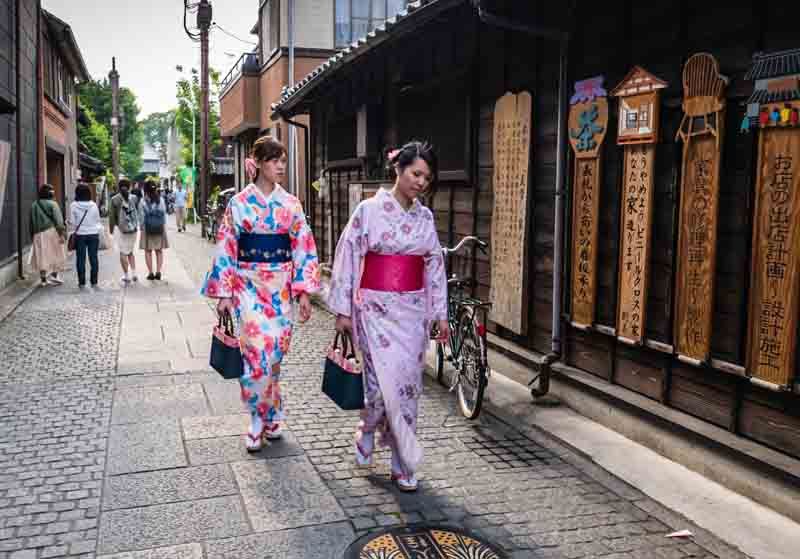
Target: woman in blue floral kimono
[(266, 257)]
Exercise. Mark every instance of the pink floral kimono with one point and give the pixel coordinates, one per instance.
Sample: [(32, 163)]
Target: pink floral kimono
[(262, 291), (391, 328)]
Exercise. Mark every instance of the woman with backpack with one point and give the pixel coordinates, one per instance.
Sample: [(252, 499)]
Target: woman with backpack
[(153, 216), (48, 232)]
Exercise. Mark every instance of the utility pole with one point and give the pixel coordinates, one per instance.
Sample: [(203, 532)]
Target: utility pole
[(292, 155), (113, 77), (204, 18)]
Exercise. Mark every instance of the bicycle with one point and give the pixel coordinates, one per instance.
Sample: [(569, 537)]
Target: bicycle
[(467, 341)]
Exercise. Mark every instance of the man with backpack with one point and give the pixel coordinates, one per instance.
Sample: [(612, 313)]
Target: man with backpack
[(153, 217), (123, 215)]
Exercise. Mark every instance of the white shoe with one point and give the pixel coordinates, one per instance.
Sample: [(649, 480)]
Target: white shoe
[(55, 280), (407, 484), (273, 432), (135, 277), (125, 280)]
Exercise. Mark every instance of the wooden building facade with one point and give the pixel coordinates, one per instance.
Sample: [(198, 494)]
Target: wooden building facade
[(676, 297)]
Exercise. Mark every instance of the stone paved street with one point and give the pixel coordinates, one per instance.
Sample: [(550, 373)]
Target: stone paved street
[(116, 440)]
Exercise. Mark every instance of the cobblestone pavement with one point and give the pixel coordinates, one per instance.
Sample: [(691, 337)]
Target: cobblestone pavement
[(143, 459)]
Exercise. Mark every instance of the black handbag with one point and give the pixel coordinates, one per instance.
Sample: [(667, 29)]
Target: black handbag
[(342, 381), (226, 356)]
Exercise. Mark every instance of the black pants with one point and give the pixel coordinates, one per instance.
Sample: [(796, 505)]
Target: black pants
[(84, 243)]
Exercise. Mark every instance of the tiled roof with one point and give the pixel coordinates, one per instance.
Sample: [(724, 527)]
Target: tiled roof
[(762, 96), (774, 64), (345, 56)]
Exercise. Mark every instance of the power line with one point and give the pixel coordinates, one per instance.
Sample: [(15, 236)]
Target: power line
[(229, 34)]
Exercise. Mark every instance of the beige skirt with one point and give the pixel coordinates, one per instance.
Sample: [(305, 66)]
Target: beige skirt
[(153, 242), (48, 252)]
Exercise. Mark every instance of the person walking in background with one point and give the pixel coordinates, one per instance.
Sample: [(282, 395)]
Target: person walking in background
[(265, 257), (153, 217), (48, 232), (388, 285), (180, 207), (124, 216), (85, 218)]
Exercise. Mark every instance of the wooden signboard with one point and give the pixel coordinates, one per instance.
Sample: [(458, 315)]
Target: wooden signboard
[(701, 132), (512, 142), (776, 261), (588, 122), (639, 107), (5, 157)]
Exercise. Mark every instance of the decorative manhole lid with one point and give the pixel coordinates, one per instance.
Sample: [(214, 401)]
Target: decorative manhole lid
[(422, 542)]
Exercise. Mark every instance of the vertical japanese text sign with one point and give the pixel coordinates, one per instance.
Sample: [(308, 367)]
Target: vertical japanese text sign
[(772, 335), (638, 131), (588, 122), (512, 144), (701, 131)]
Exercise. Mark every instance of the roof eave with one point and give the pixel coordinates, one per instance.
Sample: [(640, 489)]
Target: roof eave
[(69, 46)]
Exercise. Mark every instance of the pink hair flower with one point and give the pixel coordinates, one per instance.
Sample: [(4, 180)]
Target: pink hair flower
[(392, 154)]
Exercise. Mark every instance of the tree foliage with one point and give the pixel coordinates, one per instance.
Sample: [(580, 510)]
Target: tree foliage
[(188, 95), (95, 95), (95, 137), (156, 131)]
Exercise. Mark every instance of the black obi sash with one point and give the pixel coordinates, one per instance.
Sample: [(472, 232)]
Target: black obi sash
[(261, 248)]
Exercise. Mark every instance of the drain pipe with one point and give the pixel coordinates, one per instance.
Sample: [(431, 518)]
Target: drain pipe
[(561, 153), (18, 17)]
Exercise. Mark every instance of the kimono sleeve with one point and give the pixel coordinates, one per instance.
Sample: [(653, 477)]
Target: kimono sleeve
[(305, 274), (350, 250), (223, 275), (435, 272)]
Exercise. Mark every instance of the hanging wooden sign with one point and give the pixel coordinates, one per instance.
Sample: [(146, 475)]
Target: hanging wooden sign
[(588, 123), (639, 111), (701, 131), (512, 143), (772, 332)]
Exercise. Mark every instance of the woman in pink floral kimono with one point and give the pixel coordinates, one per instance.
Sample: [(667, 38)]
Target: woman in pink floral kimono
[(266, 257), (388, 283)]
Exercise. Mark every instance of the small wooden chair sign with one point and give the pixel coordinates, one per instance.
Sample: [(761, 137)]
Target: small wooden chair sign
[(588, 123), (701, 131)]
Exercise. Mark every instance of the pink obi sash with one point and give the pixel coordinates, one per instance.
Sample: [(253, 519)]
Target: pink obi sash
[(393, 272)]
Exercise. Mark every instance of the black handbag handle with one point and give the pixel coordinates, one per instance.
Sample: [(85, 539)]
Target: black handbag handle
[(226, 320), (348, 348)]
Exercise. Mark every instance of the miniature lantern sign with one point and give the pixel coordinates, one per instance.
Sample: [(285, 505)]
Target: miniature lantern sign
[(512, 144), (701, 131), (773, 108), (588, 122), (638, 97)]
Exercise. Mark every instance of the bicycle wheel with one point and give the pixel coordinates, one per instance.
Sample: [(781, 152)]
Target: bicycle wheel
[(472, 375)]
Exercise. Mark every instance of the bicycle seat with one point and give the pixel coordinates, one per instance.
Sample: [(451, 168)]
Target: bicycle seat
[(460, 283)]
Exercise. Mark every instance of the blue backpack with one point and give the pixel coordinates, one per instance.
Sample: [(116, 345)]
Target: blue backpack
[(154, 219)]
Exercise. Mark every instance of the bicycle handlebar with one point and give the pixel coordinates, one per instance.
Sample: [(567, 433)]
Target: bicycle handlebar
[(481, 245)]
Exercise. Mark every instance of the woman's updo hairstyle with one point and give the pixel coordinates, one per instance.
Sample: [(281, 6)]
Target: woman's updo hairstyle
[(266, 148), (406, 155)]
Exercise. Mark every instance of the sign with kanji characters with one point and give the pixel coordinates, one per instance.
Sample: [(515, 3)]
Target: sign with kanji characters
[(588, 123), (776, 241), (635, 223), (639, 108), (512, 143), (701, 131)]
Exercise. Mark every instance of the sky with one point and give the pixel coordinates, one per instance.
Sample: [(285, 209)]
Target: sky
[(148, 40)]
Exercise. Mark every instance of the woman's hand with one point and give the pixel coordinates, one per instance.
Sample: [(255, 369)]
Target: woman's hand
[(305, 307), (344, 325), (443, 328), (225, 305)]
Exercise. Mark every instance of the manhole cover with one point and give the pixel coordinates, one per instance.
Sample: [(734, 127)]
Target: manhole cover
[(422, 542)]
